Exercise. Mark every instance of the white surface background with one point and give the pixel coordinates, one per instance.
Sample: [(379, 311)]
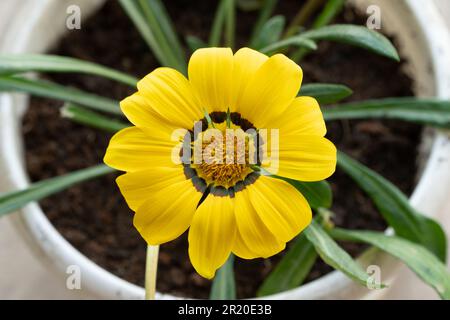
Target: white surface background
[(24, 276)]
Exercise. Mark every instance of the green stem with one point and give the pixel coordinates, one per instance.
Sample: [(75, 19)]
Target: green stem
[(230, 25)]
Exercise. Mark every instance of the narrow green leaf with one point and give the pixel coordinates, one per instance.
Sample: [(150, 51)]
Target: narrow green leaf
[(224, 287), (264, 15), (270, 32), (407, 222), (326, 93), (293, 268), (195, 43), (14, 200), (230, 23), (51, 90), (19, 63), (92, 119), (427, 111), (318, 193), (416, 257), (159, 24), (334, 255), (218, 23), (163, 18), (330, 11), (249, 5), (298, 41), (358, 36), (135, 12)]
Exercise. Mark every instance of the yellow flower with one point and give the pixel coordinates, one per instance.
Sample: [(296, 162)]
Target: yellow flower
[(228, 207)]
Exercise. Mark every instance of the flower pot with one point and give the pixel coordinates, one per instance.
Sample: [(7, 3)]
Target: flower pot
[(423, 39)]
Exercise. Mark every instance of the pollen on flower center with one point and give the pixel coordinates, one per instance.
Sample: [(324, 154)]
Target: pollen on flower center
[(224, 156)]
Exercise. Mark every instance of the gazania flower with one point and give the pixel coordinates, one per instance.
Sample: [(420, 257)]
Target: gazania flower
[(228, 207)]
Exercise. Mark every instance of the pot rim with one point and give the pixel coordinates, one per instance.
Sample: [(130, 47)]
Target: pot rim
[(52, 244)]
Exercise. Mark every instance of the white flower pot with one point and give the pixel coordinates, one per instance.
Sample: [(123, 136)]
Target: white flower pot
[(36, 25)]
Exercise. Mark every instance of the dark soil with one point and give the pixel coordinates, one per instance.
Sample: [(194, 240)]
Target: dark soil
[(94, 217)]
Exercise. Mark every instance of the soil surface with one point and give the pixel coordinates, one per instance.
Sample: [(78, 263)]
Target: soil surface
[(94, 217)]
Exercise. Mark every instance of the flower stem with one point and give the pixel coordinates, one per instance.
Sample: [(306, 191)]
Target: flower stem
[(150, 272)]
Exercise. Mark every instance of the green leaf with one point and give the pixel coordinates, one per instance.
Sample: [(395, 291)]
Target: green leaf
[(159, 23), (264, 15), (293, 268), (415, 256), (195, 43), (148, 30), (224, 287), (318, 193), (427, 111), (395, 208), (326, 93), (249, 5), (270, 32), (334, 255), (330, 11), (357, 36), (218, 22), (19, 63), (92, 119), (298, 41), (51, 90), (14, 200), (230, 23)]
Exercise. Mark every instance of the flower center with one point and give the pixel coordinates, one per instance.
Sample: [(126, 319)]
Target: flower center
[(225, 156)]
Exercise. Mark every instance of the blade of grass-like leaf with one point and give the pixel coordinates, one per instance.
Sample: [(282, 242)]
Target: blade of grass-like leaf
[(51, 90), (415, 256), (325, 93), (358, 36), (14, 200), (223, 286), (407, 222), (331, 9), (218, 22), (297, 41), (431, 112), (19, 63), (158, 23), (167, 27), (92, 119), (230, 24), (270, 32), (302, 16), (293, 268), (134, 11), (264, 15), (195, 43), (296, 264), (334, 255)]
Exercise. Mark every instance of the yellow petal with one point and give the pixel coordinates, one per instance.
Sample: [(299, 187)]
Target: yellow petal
[(168, 212), (241, 249), (246, 62), (283, 209), (136, 187), (254, 234), (132, 150), (210, 74), (303, 116), (137, 109), (166, 93), (212, 234), (302, 157), (271, 90)]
